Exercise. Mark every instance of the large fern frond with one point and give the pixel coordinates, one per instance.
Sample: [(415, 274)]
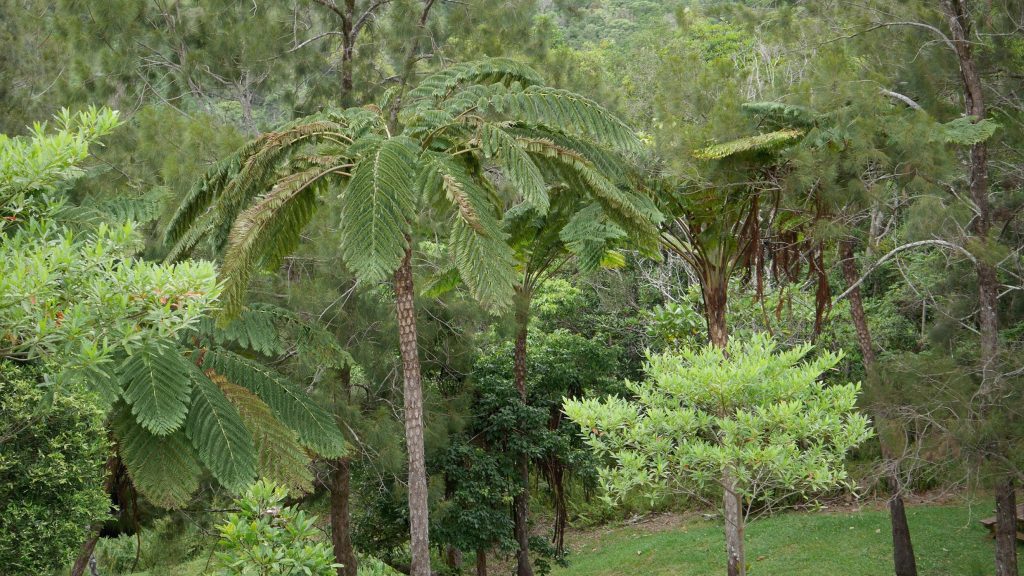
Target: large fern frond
[(155, 382), (281, 458), (378, 209), (219, 436), (266, 232), (485, 263), (163, 468), (759, 143), (589, 235), (315, 426), (517, 166), (566, 111), (490, 71)]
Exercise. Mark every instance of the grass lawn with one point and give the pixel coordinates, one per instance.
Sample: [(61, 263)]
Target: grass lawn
[(948, 541)]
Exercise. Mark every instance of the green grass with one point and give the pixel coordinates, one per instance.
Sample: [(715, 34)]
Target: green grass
[(948, 541)]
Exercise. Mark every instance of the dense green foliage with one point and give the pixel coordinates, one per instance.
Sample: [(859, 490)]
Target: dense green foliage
[(52, 470), (203, 251)]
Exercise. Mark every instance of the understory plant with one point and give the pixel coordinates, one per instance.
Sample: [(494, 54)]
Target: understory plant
[(267, 538), (750, 424)]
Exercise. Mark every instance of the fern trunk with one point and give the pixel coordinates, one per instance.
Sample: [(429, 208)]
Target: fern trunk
[(521, 502), (732, 502), (419, 539)]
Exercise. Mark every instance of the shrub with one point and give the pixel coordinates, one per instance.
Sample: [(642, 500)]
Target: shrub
[(268, 539), (51, 472)]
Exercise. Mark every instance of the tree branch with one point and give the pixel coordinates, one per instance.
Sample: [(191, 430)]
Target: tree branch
[(897, 250)]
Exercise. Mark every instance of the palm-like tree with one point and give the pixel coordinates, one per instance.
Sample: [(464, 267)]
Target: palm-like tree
[(456, 132)]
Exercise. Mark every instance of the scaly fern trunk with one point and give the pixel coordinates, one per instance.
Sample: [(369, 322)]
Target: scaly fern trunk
[(521, 502), (419, 538), (903, 558), (732, 502), (341, 534)]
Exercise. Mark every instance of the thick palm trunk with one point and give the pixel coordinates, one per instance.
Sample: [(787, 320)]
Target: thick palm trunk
[(341, 533), (734, 519), (1006, 529), (419, 539), (904, 561), (521, 502)]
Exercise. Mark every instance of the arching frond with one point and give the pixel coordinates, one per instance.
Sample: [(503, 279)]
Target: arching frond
[(163, 468), (221, 440), (281, 458), (485, 263), (378, 208), (315, 427), (267, 231), (490, 71), (780, 115), (517, 166), (566, 111), (155, 383)]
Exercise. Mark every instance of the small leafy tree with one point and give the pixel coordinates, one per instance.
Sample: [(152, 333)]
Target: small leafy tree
[(267, 538), (748, 422)]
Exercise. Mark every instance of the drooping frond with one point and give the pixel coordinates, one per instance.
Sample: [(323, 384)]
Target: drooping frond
[(566, 111), (485, 263), (473, 201), (219, 436), (255, 328), (221, 194), (378, 208), (155, 383), (537, 140), (163, 468), (589, 235), (266, 232), (516, 164), (281, 458), (490, 71), (316, 428), (759, 143)]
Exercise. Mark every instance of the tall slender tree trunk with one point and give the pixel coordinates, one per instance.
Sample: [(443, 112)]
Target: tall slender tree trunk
[(341, 532), (521, 502), (419, 542), (341, 490), (1006, 528), (732, 502), (904, 561), (959, 18), (348, 41)]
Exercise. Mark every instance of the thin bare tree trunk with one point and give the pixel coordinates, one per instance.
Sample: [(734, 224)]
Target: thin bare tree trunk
[(904, 561), (419, 538), (521, 502), (1006, 528), (733, 504)]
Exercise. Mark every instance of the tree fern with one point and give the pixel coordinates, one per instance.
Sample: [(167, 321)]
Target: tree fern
[(163, 468), (220, 438), (378, 209), (155, 383), (280, 458), (295, 409)]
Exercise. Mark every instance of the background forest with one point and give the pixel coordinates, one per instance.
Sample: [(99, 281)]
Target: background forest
[(371, 287)]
